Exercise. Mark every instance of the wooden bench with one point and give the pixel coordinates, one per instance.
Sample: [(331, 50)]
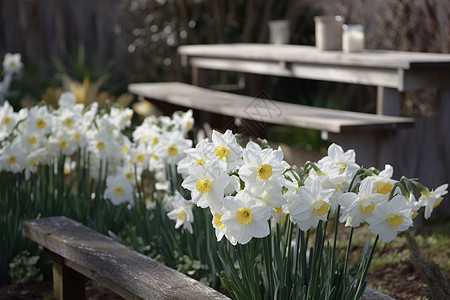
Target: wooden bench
[(79, 252), (369, 134)]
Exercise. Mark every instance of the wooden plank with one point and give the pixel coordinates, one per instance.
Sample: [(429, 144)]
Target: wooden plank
[(266, 111), (296, 53), (348, 74), (110, 262)]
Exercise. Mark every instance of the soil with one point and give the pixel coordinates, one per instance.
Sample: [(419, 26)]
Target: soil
[(400, 281), (35, 290)]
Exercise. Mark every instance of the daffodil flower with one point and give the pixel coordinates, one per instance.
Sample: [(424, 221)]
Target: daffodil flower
[(207, 184), (310, 205), (356, 208), (182, 213), (118, 189), (431, 199), (245, 217), (226, 150), (390, 217), (261, 167)]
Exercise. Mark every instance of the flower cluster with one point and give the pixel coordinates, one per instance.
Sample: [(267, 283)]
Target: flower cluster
[(247, 189), (40, 135)]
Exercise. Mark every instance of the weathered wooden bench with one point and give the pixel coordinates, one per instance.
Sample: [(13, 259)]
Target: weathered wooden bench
[(79, 252), (369, 134)]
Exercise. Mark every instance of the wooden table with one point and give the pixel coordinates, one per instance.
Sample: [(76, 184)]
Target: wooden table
[(423, 152)]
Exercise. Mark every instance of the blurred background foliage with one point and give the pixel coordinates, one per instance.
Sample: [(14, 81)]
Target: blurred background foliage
[(95, 48), (137, 39)]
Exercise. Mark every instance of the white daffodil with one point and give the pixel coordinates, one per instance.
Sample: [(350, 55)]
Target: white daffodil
[(414, 204), (346, 161), (356, 208), (219, 227), (331, 179), (171, 147), (310, 205), (207, 184), (261, 167), (245, 217), (199, 155), (67, 100), (31, 138), (130, 171), (12, 63), (431, 199), (118, 189), (39, 119), (102, 143), (8, 120), (290, 184), (226, 150), (383, 181), (61, 141), (13, 157), (271, 195), (121, 117), (138, 155), (234, 186), (184, 121), (32, 161), (390, 217), (182, 213)]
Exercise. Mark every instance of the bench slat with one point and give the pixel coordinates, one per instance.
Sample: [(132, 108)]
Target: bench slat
[(119, 268), (267, 111)]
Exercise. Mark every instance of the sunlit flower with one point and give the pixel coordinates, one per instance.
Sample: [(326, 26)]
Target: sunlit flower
[(13, 158), (356, 208), (261, 166), (39, 119), (245, 217), (219, 227), (184, 121), (226, 150), (8, 120), (383, 182), (310, 205), (431, 199), (346, 161), (138, 155), (199, 155), (118, 189), (182, 212), (171, 147), (207, 184), (390, 217)]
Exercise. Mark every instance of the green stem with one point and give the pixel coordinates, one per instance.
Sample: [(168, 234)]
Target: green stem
[(365, 270), (348, 250)]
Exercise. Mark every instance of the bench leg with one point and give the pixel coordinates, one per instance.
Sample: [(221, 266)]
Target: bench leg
[(67, 283)]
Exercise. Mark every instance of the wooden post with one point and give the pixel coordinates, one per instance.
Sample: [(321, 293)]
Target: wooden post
[(200, 77), (388, 101), (67, 283)]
